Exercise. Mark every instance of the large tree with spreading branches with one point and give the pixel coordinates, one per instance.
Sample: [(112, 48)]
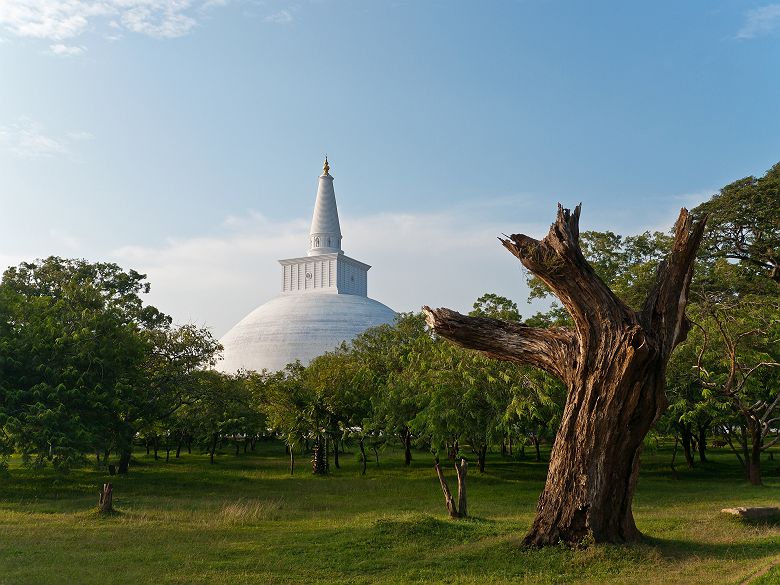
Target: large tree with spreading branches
[(613, 362)]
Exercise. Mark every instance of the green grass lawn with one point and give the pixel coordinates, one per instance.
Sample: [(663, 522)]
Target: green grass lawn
[(246, 520)]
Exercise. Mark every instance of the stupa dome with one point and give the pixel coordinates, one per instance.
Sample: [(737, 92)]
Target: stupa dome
[(302, 326), (324, 301)]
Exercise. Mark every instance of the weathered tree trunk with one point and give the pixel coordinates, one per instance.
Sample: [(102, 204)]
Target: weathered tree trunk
[(106, 499), (613, 363)]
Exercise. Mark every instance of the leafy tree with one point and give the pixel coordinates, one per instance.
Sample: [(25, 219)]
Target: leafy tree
[(86, 364), (744, 223), (495, 306)]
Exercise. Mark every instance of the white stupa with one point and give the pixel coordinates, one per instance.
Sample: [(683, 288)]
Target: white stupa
[(323, 301)]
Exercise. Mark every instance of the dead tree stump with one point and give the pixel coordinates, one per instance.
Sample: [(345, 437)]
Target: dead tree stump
[(106, 499), (613, 361)]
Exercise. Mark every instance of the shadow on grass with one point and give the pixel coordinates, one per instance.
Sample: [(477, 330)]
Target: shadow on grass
[(681, 549)]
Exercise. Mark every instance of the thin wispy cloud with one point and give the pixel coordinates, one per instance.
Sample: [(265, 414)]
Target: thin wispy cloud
[(760, 21), (281, 17), (57, 20), (28, 139), (62, 50)]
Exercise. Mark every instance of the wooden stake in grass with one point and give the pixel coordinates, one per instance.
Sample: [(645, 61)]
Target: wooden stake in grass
[(613, 361), (459, 509), (106, 499)]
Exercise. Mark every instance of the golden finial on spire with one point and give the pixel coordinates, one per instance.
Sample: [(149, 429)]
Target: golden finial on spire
[(326, 166)]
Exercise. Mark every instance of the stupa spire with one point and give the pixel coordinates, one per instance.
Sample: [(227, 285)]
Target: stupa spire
[(325, 233)]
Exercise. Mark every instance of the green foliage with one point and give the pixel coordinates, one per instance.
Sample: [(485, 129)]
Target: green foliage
[(85, 363), (744, 225), (496, 307)]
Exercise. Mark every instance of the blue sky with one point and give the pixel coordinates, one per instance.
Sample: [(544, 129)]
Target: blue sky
[(183, 138)]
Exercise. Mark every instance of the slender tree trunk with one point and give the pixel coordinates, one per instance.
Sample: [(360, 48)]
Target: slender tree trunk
[(702, 443), (503, 447), (214, 439), (336, 454), (461, 472), (155, 443), (685, 435), (745, 449), (481, 456), (148, 445), (189, 445), (535, 440), (613, 363), (167, 453), (292, 459), (754, 465), (376, 453), (510, 446), (455, 509), (178, 448), (362, 457), (449, 501), (406, 437), (674, 454)]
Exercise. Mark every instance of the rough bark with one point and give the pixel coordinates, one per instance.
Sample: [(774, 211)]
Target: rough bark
[(613, 363)]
